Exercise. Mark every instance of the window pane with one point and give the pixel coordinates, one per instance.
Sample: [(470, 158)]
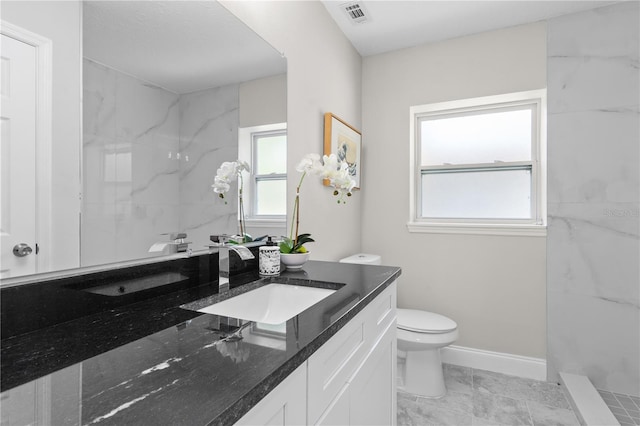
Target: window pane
[(271, 154), (483, 137), (499, 194), (117, 166), (271, 197)]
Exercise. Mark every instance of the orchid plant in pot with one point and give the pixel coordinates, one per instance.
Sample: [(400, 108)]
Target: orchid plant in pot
[(229, 172), (293, 253)]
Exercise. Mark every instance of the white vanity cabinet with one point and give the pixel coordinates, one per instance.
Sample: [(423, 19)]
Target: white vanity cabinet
[(372, 392), (352, 377), (285, 405), (349, 380), (369, 397)]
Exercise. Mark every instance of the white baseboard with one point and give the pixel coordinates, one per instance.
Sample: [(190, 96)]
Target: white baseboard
[(513, 365)]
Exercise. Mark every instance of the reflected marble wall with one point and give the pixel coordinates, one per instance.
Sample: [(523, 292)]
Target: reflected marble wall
[(593, 242), (209, 122), (135, 185), (131, 184)]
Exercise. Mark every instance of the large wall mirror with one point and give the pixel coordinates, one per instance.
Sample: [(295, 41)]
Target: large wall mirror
[(165, 87)]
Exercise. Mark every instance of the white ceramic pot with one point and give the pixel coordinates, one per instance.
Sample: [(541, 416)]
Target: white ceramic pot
[(294, 260)]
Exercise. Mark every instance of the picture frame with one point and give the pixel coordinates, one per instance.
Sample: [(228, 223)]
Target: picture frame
[(345, 141)]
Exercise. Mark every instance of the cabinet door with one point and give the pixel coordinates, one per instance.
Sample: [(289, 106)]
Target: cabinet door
[(285, 405), (372, 391), (337, 414), (334, 363)]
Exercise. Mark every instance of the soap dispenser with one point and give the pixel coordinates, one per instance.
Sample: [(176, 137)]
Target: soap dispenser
[(269, 259)]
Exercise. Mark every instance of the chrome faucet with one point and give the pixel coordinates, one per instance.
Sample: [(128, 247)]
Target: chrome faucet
[(177, 244), (224, 249)]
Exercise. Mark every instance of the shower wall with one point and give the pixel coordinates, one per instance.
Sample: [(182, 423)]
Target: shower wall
[(149, 158), (593, 243), (209, 122), (130, 182)]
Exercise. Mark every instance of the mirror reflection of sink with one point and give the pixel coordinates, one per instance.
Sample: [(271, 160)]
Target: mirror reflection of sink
[(271, 304)]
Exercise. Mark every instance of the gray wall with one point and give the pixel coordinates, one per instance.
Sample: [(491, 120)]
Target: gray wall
[(593, 237), (263, 101), (324, 74), (492, 286)]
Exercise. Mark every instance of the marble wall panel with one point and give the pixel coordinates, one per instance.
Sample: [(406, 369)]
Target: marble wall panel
[(603, 32), (139, 226), (99, 100), (150, 157), (97, 237), (143, 109), (208, 136), (594, 251), (597, 338), (593, 60), (130, 170), (601, 164), (593, 242)]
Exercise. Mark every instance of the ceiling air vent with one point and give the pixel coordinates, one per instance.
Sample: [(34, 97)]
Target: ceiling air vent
[(356, 12)]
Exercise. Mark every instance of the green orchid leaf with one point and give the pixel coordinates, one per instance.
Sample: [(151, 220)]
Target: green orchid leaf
[(306, 239), (302, 240), (286, 246)]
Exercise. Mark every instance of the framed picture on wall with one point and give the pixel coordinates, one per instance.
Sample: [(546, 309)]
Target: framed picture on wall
[(345, 141)]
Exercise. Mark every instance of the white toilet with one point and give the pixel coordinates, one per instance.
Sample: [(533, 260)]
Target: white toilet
[(421, 334)]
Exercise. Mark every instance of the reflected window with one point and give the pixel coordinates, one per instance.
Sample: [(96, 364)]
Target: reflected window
[(266, 190), (117, 165)]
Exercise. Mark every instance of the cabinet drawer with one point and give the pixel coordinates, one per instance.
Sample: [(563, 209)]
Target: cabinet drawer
[(381, 312)]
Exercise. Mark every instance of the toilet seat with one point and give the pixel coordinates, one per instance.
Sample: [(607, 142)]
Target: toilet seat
[(419, 321)]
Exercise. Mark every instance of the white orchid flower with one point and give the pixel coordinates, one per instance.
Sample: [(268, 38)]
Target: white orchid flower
[(228, 171), (310, 164), (331, 168), (343, 181), (220, 185)]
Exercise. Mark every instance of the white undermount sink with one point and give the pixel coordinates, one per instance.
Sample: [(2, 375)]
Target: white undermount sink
[(271, 304)]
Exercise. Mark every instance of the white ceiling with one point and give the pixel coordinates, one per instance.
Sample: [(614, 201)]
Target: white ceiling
[(393, 25), (189, 45), (182, 46)]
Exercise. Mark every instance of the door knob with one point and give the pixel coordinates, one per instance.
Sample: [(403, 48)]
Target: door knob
[(22, 250)]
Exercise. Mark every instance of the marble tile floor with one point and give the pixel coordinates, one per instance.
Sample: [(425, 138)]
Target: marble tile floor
[(625, 408), (479, 397)]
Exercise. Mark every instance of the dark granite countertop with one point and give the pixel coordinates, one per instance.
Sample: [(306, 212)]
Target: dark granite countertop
[(157, 363)]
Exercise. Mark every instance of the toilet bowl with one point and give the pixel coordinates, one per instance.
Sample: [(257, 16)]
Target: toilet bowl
[(421, 334)]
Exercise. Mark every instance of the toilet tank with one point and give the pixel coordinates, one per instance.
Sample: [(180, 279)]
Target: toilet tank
[(363, 258)]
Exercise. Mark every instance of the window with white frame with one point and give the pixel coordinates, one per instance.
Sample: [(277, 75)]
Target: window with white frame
[(265, 193), (479, 163)]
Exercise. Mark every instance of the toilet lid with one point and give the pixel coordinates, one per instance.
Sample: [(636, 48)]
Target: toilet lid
[(424, 322)]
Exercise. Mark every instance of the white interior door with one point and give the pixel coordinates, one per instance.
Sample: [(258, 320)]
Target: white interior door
[(17, 158)]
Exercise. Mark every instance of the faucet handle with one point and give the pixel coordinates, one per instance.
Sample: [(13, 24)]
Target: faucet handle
[(174, 236), (178, 236), (220, 239)]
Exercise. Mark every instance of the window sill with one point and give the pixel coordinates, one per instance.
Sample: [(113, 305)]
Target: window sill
[(478, 229)]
